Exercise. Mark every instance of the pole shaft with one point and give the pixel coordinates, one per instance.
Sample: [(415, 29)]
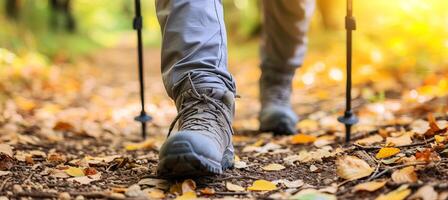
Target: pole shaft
[(140, 55)]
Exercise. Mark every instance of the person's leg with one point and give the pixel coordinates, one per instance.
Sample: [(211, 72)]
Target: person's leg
[(284, 45), (194, 69)]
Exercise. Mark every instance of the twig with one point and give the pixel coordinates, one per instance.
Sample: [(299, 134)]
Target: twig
[(239, 177), (400, 146), (377, 169), (232, 193), (4, 183), (395, 167)]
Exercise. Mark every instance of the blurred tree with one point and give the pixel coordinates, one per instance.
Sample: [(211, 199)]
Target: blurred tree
[(62, 10), (12, 9)]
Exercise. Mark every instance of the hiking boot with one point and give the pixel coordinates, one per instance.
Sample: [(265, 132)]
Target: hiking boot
[(276, 113), (203, 144)]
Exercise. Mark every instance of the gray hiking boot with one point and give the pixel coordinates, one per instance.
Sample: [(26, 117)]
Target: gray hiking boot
[(276, 113), (203, 144)]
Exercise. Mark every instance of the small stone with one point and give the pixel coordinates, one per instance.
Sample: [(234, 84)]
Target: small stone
[(134, 191), (117, 196), (64, 196), (79, 197), (17, 188), (327, 181)]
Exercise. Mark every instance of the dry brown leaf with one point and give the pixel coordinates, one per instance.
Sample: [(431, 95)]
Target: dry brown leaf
[(352, 168), (56, 158), (207, 191), (399, 194), (262, 185), (324, 140), (273, 167), (63, 126), (405, 139), (3, 173), (426, 192), (302, 139), (387, 152), (405, 175), (369, 186), (234, 187), (188, 186), (370, 140), (6, 162), (6, 149)]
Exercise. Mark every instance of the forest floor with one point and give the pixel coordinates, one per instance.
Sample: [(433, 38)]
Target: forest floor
[(68, 132)]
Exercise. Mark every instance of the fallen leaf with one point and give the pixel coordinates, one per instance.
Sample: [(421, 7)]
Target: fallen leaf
[(262, 185), (399, 194), (82, 180), (56, 158), (6, 149), (370, 140), (387, 152), (290, 184), (6, 162), (188, 186), (352, 168), (426, 192), (63, 126), (369, 186), (440, 139), (3, 173), (147, 144), (234, 187), (324, 140), (158, 183), (302, 139), (90, 171), (313, 168), (75, 171), (405, 139), (24, 103), (312, 194), (405, 175), (308, 125), (427, 155), (187, 196), (434, 128), (155, 193), (273, 167), (57, 173), (207, 191)]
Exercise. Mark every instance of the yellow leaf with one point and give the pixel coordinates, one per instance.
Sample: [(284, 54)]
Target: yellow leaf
[(75, 171), (369, 186), (273, 167), (233, 187), (352, 168), (24, 104), (262, 185), (399, 194), (147, 144), (405, 175), (156, 194), (187, 196), (302, 139), (439, 139), (387, 152)]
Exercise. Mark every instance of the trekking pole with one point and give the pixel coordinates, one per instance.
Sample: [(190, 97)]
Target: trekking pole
[(349, 119), (138, 24)]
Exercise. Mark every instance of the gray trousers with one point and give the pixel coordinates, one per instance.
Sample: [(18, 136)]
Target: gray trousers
[(195, 44)]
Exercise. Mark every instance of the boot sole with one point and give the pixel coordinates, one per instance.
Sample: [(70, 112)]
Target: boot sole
[(183, 161), (281, 127)]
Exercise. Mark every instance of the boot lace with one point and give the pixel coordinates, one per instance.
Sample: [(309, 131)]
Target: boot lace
[(200, 104)]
